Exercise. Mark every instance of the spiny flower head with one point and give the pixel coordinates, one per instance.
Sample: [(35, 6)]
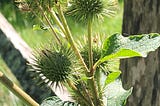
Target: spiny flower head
[(54, 65), (92, 9)]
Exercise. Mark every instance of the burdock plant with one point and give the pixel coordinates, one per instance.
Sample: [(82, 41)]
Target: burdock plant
[(85, 70)]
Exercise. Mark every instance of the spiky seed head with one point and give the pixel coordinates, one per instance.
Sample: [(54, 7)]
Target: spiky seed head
[(96, 55), (104, 67), (91, 9), (54, 65), (96, 50)]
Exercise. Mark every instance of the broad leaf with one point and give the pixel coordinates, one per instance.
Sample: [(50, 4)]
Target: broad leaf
[(122, 53), (115, 94), (112, 76), (55, 101), (117, 46)]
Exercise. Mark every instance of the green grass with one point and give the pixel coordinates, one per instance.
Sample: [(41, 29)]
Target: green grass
[(35, 38)]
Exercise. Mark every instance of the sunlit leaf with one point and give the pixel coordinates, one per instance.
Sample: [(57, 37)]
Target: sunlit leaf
[(117, 46), (115, 94), (112, 76), (122, 53)]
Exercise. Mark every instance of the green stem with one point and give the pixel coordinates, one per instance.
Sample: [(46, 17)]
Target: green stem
[(69, 36), (49, 23), (86, 92), (94, 91), (55, 18), (90, 46), (98, 77), (96, 64), (71, 41), (74, 88), (91, 81), (17, 91)]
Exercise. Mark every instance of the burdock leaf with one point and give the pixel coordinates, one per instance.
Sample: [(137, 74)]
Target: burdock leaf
[(115, 94), (112, 76), (55, 101), (122, 53), (117, 46)]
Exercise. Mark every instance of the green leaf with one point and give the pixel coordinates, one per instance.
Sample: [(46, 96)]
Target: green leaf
[(112, 76), (55, 101), (122, 53), (116, 95), (117, 46)]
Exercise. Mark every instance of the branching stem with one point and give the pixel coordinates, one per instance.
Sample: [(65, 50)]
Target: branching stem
[(69, 36), (49, 23), (55, 18), (17, 91), (71, 41), (74, 88), (96, 64), (91, 81)]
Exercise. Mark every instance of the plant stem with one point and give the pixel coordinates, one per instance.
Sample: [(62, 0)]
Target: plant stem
[(94, 91), (98, 77), (96, 64), (49, 23), (86, 92), (17, 91), (74, 88), (69, 37), (91, 81), (71, 41), (90, 46), (55, 18)]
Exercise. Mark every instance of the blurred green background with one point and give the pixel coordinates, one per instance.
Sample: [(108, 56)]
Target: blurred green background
[(24, 26)]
